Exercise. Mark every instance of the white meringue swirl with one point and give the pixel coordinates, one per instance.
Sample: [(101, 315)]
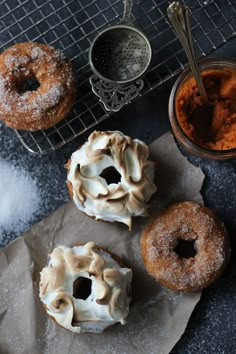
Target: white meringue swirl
[(116, 201), (108, 301)]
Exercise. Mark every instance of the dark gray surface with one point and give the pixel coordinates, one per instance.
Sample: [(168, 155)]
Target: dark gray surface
[(212, 327)]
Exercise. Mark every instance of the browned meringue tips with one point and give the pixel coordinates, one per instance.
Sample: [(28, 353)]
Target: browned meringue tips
[(85, 289), (91, 182)]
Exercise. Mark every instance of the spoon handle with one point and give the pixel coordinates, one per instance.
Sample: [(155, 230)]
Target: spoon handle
[(128, 5), (179, 16)]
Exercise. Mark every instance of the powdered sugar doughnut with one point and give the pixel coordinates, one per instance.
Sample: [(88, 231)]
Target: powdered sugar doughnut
[(178, 226), (90, 177), (50, 102)]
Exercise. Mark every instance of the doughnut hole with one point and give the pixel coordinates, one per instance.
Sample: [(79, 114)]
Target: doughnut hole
[(185, 248), (111, 175), (27, 84), (82, 288)]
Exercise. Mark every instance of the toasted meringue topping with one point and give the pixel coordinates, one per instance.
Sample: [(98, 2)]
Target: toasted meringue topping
[(106, 302), (115, 201)]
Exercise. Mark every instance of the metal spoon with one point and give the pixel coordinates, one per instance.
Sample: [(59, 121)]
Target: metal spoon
[(201, 118), (179, 16)]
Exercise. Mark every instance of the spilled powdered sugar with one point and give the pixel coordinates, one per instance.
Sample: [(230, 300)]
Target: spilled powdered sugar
[(20, 199)]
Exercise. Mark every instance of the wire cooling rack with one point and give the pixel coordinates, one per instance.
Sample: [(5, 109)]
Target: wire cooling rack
[(71, 25)]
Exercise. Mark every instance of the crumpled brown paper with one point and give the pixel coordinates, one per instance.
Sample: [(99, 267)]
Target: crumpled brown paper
[(158, 316)]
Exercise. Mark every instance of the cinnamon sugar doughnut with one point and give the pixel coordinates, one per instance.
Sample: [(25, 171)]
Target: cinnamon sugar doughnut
[(85, 288), (21, 108), (186, 222)]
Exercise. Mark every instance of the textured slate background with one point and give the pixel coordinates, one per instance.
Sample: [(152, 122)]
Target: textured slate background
[(212, 327)]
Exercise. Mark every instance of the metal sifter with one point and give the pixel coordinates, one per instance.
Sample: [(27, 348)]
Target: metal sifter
[(119, 56)]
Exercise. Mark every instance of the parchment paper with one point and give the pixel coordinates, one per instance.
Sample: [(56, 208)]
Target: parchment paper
[(158, 317)]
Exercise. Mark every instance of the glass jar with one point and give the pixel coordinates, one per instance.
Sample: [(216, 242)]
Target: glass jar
[(224, 64)]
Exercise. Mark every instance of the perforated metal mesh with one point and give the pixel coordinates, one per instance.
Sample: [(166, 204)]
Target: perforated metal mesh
[(71, 25)]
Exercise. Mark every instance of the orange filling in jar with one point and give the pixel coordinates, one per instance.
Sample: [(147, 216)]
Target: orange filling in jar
[(209, 126)]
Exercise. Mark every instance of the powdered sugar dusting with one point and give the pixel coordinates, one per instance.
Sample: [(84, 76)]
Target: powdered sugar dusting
[(146, 323), (5, 105), (15, 293), (49, 98), (3, 87), (11, 100), (15, 61), (37, 53), (57, 54), (20, 199)]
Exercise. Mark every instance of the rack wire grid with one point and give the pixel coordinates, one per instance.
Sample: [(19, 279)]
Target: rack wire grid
[(71, 25)]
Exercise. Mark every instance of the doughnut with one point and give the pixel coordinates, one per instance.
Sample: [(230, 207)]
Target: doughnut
[(110, 177), (41, 108), (185, 247), (85, 288)]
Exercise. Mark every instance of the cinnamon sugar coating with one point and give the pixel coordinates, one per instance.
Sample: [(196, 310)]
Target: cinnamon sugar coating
[(187, 221), (50, 102)]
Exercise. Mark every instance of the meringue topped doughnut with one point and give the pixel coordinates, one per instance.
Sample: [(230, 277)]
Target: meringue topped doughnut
[(85, 289), (89, 177), (40, 107), (186, 247)]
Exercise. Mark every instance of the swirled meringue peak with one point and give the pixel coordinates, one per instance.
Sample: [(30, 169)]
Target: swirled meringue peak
[(92, 165), (84, 289)]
